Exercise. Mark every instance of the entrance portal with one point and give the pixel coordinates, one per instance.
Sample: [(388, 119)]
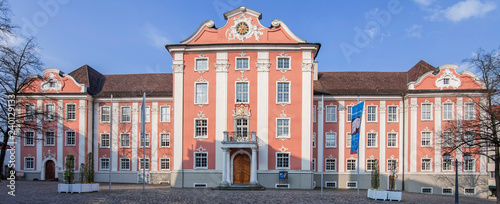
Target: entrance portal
[(50, 169), (241, 169)]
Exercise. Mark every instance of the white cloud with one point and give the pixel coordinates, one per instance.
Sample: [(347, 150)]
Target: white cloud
[(423, 2), (467, 9), (155, 36), (10, 40), (414, 31)]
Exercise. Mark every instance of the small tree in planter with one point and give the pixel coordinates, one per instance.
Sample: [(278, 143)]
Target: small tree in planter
[(393, 170), (69, 173), (375, 175), (89, 169)]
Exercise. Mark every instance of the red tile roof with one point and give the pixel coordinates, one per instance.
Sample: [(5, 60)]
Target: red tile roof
[(133, 84)]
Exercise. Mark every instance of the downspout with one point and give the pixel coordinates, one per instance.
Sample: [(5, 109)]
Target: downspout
[(404, 138)]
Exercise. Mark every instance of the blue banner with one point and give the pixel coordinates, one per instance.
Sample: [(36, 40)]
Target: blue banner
[(357, 112)]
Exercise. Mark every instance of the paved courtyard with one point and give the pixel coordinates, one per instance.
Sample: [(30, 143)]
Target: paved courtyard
[(46, 192)]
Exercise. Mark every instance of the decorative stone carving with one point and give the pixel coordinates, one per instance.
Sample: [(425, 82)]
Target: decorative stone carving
[(242, 78), (307, 67), (283, 148), (178, 68), (221, 67), (51, 84), (448, 80), (263, 66), (201, 114), (243, 29), (242, 110)]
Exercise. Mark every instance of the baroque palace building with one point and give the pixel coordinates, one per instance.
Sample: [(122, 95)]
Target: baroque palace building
[(244, 103)]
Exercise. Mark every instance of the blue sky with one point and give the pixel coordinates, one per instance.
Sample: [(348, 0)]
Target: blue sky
[(126, 37)]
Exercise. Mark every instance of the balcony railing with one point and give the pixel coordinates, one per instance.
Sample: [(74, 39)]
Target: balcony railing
[(235, 137)]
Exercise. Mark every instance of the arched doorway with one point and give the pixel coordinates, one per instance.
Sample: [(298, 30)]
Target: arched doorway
[(50, 170), (241, 169)]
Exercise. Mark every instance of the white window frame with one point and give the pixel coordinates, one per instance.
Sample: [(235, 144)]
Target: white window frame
[(422, 190), (391, 115), (26, 163), (422, 133), (167, 140), (288, 158), (101, 140), (469, 138), (445, 141), (347, 184), (201, 157), (472, 168), (452, 111), (50, 115), (348, 137), (29, 111), (447, 188), (102, 114), (66, 138), (389, 163), (332, 137), (202, 94), (334, 164), (314, 140), (422, 113), (122, 115), (287, 127), (148, 164), (147, 138), (448, 164), (204, 69), (32, 139), (375, 143), (422, 164), (121, 140), (72, 112), (469, 111), (473, 188), (314, 113), (122, 162), (236, 92), (289, 99), (313, 165), (349, 113), (328, 182), (284, 57), (195, 127), (167, 162), (164, 114), (353, 161), (395, 140), (370, 164), (101, 164), (375, 115), (147, 115), (47, 139), (334, 119), (236, 63)]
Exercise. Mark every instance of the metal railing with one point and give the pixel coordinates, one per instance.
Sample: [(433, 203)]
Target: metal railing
[(236, 137)]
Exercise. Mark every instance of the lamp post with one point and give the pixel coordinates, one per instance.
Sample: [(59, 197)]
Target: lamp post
[(447, 158)]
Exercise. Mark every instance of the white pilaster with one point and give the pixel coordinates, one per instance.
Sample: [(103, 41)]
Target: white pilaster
[(88, 126), (401, 134), (413, 136), (482, 158), (178, 69), (60, 136), (382, 136), (96, 136), (228, 166), (307, 95), (221, 84), (407, 136), (458, 117), (342, 135), (114, 135), (263, 107), (224, 181), (135, 134), (253, 167), (154, 136), (82, 108), (437, 129), (362, 141), (39, 136), (320, 136)]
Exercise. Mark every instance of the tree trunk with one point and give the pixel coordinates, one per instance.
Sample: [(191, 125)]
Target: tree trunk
[(3, 153), (497, 172)]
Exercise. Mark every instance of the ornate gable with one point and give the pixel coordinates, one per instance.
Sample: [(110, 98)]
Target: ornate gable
[(446, 79)]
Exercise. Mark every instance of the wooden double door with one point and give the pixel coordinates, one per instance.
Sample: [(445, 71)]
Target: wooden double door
[(241, 169), (50, 170)]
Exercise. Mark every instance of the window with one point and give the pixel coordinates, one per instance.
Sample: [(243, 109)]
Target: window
[(352, 184), (104, 163), (50, 112), (241, 63), (105, 114), (426, 111), (283, 91), (125, 114), (70, 111), (165, 114), (348, 140), (349, 113), (469, 164), (313, 164), (146, 137), (201, 128), (447, 191), (143, 163), (30, 112), (331, 139), (29, 138), (470, 111), (125, 164), (165, 164), (372, 114), (314, 114), (105, 140), (448, 139), (330, 165), (371, 164), (426, 139), (50, 138), (371, 140), (448, 111), (392, 139), (164, 140), (201, 65), (314, 140), (282, 160), (283, 128), (446, 81), (351, 165), (470, 191), (201, 93), (146, 115), (392, 115), (469, 139), (29, 163), (331, 113), (447, 164), (201, 160), (392, 165), (125, 140), (427, 190), (426, 164), (241, 92), (283, 63), (330, 184), (70, 138)]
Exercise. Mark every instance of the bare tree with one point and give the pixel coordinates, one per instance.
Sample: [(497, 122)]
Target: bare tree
[(479, 136), (5, 24)]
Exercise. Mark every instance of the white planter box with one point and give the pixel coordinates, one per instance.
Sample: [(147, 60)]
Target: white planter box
[(63, 187), (370, 193), (380, 195), (77, 188), (395, 195), (95, 187)]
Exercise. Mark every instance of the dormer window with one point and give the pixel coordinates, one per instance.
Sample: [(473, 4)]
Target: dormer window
[(446, 81), (52, 84)]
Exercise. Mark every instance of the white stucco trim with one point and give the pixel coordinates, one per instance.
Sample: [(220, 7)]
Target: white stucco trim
[(114, 136), (382, 136), (135, 134), (413, 136), (306, 119), (82, 108), (342, 136), (221, 108), (154, 137), (263, 110), (39, 135), (437, 128), (60, 137)]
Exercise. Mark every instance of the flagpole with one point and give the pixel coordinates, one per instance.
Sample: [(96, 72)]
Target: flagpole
[(110, 141), (358, 154), (143, 121)]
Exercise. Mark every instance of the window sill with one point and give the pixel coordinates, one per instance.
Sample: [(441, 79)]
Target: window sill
[(104, 147)]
